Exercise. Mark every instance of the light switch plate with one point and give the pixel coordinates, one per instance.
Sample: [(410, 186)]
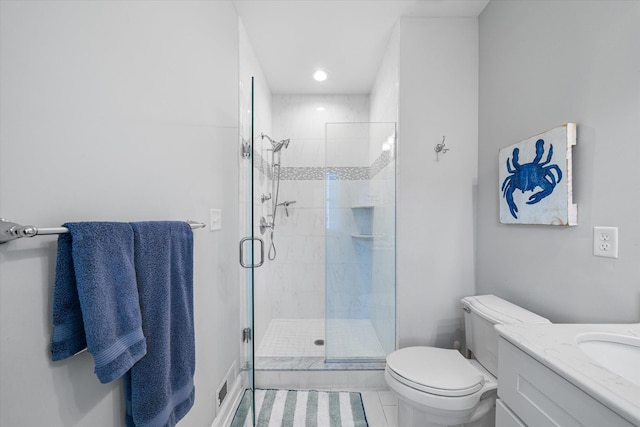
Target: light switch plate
[(215, 219)]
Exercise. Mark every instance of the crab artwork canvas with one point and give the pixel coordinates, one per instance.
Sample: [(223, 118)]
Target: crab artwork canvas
[(535, 179)]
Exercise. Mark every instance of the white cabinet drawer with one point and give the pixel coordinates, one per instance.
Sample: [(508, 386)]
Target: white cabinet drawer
[(541, 398)]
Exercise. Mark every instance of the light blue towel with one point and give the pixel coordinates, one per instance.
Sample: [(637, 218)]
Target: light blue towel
[(159, 388), (95, 300)]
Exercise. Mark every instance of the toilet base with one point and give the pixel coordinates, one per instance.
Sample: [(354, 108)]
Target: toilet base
[(410, 416)]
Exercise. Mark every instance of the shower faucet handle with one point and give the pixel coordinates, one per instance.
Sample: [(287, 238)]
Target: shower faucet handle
[(286, 204), (264, 224)]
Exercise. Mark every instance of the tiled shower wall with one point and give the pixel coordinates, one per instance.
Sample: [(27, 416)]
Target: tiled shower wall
[(360, 232), (383, 272), (295, 280)]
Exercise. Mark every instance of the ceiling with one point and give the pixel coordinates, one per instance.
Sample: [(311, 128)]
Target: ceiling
[(347, 38)]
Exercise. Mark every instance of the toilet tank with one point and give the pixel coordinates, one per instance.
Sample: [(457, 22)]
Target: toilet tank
[(481, 314)]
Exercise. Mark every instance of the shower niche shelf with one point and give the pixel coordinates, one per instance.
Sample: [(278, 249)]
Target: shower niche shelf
[(363, 218), (367, 236)]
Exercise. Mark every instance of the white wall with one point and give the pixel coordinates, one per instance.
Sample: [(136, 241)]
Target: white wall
[(438, 96), (383, 99), (116, 111), (543, 64)]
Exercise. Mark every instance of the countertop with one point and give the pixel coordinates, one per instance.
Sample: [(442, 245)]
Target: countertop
[(555, 346)]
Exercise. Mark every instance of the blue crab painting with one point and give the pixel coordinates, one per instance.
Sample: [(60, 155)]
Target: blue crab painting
[(529, 176)]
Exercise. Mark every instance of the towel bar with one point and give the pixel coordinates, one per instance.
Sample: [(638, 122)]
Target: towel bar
[(11, 231)]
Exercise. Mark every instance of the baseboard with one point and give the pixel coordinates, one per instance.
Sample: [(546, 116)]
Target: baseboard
[(230, 404)]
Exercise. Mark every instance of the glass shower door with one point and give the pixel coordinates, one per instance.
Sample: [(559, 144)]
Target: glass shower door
[(251, 247), (360, 267)]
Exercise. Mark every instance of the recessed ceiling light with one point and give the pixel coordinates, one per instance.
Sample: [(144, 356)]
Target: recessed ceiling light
[(320, 75), (321, 108)]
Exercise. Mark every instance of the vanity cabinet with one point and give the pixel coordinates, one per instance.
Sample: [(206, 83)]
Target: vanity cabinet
[(505, 417), (530, 394)]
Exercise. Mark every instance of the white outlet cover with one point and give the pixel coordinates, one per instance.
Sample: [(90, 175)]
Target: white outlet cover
[(605, 242)]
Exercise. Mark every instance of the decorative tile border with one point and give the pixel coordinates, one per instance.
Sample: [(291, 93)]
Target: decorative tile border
[(329, 173), (295, 173), (383, 160), (262, 165)]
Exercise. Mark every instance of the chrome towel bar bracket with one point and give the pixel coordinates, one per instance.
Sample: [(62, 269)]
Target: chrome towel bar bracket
[(11, 231)]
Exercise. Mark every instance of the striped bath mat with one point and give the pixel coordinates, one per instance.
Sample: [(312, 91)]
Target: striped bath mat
[(290, 408)]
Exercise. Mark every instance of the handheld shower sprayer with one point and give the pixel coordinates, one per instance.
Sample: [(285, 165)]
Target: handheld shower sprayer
[(276, 145)]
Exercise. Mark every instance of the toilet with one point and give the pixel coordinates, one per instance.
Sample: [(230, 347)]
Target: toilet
[(440, 387)]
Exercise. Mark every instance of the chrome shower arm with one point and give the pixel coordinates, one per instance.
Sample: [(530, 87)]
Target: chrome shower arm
[(263, 136)]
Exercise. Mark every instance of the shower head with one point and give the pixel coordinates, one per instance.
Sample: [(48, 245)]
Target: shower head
[(276, 145), (279, 145)]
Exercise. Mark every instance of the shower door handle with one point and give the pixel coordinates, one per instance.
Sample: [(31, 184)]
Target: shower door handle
[(252, 239)]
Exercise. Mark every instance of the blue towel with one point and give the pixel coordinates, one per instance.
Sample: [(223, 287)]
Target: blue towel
[(159, 388), (68, 327), (95, 302)]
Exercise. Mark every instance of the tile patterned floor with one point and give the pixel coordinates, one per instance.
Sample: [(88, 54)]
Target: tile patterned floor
[(292, 338), (353, 339), (381, 408), (346, 338)]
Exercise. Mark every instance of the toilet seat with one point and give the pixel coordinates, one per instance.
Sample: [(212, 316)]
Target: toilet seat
[(437, 371)]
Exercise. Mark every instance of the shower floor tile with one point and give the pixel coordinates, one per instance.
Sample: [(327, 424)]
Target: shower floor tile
[(353, 339), (347, 339), (292, 338)]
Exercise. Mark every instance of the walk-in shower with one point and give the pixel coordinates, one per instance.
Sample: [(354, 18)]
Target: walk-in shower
[(326, 302), (329, 295)]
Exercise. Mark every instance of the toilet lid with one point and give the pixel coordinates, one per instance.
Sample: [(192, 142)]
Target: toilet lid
[(433, 370)]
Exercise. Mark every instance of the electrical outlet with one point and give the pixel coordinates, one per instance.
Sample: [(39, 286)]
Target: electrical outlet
[(605, 242)]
